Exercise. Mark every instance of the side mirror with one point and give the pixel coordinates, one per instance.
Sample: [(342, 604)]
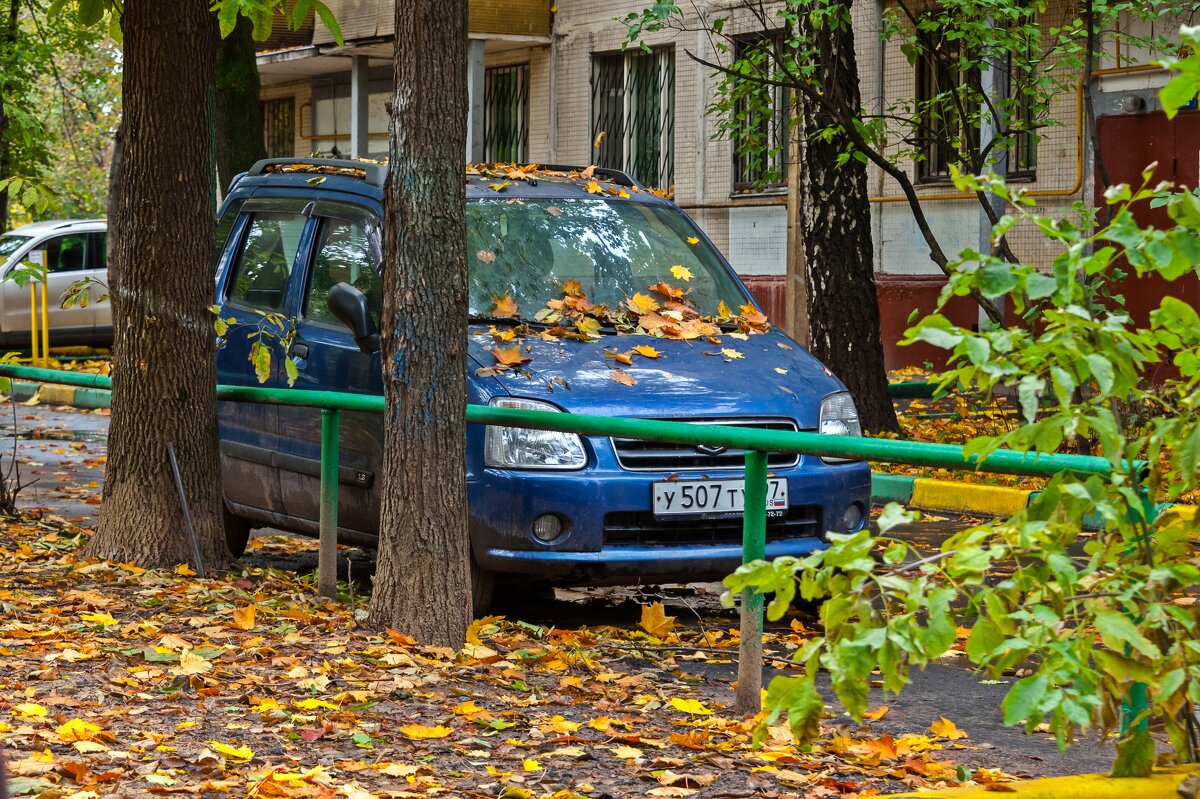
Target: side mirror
[(350, 307)]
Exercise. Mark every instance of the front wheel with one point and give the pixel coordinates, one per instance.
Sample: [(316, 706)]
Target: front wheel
[(483, 587)]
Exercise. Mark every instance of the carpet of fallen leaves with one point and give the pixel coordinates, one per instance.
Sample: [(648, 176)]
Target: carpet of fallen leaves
[(123, 682)]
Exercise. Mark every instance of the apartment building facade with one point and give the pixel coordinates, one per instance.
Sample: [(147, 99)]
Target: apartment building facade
[(554, 85)]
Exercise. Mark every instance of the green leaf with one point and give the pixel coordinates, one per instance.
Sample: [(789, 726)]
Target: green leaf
[(293, 371), (996, 279), (1135, 755), (1117, 630), (91, 11), (330, 21), (1178, 92), (1102, 370), (800, 699), (1022, 700)]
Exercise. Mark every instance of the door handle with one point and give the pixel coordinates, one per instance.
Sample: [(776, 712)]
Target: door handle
[(299, 350)]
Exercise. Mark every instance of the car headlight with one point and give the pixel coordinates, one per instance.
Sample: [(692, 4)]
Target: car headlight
[(520, 448), (839, 417)]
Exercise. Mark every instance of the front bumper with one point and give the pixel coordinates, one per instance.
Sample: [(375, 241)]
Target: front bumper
[(600, 506)]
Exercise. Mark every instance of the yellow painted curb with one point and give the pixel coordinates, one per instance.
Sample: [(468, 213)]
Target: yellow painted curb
[(57, 395), (1173, 783), (964, 497)]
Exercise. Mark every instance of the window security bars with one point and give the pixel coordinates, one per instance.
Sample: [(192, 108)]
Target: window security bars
[(633, 114)]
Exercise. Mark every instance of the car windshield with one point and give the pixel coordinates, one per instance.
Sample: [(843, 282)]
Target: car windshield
[(529, 249), (9, 245)]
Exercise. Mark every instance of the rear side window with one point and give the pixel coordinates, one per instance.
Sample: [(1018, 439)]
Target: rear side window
[(67, 253), (347, 252), (265, 260)]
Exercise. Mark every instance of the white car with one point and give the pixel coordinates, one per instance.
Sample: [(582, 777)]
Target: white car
[(74, 250)]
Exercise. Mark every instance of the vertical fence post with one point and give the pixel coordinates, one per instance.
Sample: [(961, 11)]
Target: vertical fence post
[(754, 547), (33, 325), (45, 319), (327, 554), (1137, 701)]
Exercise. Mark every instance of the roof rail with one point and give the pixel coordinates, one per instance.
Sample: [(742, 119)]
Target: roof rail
[(373, 174), (602, 172)]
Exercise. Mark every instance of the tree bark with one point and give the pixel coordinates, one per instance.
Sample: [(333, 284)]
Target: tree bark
[(239, 113), (423, 577), (161, 277), (835, 218), (8, 42)]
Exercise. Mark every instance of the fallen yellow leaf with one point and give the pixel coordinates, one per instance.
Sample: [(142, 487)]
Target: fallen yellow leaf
[(239, 754), (693, 706), (419, 731), (30, 710), (243, 617), (945, 728), (655, 620)]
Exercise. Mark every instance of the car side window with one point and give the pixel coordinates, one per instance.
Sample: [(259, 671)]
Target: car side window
[(265, 260), (98, 255), (66, 253), (346, 252)]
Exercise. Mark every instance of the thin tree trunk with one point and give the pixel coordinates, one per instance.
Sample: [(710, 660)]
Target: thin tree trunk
[(239, 113), (423, 578), (160, 273), (7, 45), (843, 308)]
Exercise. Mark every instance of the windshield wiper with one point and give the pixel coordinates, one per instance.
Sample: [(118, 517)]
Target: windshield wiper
[(515, 321)]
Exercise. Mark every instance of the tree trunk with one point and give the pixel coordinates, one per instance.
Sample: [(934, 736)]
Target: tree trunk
[(8, 40), (161, 276), (239, 112), (843, 308), (423, 577)]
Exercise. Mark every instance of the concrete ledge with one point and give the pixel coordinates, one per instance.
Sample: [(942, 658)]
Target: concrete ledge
[(87, 398), (923, 493), (1181, 782), (968, 497)]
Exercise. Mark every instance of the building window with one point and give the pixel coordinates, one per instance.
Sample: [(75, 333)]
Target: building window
[(506, 114), (948, 103), (633, 114), (1022, 148), (279, 127), (946, 106), (760, 149)]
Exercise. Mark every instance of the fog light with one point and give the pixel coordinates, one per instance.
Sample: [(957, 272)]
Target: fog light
[(852, 518), (547, 527)]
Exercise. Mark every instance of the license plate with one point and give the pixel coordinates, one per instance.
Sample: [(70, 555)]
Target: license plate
[(714, 499)]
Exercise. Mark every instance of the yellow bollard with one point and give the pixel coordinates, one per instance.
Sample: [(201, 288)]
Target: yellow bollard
[(45, 325), (33, 326)]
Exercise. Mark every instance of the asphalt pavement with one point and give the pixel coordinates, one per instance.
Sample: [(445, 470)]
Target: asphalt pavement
[(60, 455)]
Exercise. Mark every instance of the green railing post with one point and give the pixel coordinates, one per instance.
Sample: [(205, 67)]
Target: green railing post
[(1137, 701), (327, 553), (754, 547)]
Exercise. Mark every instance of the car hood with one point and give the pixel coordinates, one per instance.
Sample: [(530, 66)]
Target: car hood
[(774, 376)]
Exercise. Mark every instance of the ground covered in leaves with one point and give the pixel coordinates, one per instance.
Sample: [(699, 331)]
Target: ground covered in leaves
[(124, 682)]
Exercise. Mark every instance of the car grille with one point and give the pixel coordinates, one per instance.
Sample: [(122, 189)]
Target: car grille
[(655, 456), (627, 528)]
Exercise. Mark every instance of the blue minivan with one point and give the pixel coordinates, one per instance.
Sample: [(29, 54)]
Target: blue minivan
[(588, 294)]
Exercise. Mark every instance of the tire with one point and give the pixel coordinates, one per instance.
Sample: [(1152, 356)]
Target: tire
[(483, 588), (237, 533)]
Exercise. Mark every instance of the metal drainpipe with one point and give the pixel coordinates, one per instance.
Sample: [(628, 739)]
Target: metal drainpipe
[(880, 86)]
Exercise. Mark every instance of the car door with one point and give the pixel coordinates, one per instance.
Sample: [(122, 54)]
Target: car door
[(346, 249), (267, 241), (66, 257)]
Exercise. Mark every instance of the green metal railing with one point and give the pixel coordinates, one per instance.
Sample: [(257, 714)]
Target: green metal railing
[(756, 443)]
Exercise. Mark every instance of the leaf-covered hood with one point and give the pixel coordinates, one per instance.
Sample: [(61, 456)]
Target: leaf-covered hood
[(773, 376)]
